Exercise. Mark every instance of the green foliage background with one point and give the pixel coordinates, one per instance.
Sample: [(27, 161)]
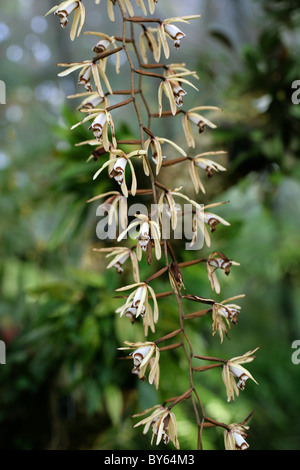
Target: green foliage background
[(64, 386)]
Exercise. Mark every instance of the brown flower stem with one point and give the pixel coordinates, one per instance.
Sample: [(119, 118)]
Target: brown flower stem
[(247, 418), (197, 298), (140, 19), (204, 368), (175, 161), (120, 39), (140, 76), (171, 252), (166, 114), (164, 294), (142, 192), (105, 54), (200, 313), (150, 74), (161, 186), (157, 274), (189, 355), (191, 263), (170, 347), (154, 66), (166, 246), (124, 92), (181, 398), (119, 105), (217, 423), (209, 425), (185, 342), (135, 94), (149, 132), (168, 336), (210, 358)]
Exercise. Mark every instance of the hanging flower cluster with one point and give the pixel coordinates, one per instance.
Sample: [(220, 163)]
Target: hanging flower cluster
[(151, 155)]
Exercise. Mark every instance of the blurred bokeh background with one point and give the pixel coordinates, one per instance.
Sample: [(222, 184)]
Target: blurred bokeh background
[(63, 386)]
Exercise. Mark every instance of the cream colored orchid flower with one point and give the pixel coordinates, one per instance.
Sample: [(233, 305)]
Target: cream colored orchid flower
[(155, 144), (137, 304), (200, 121), (88, 70), (148, 39), (235, 437), (221, 262), (232, 370), (172, 210), (224, 313), (171, 86), (173, 207), (116, 200), (202, 217), (64, 10), (148, 230), (200, 161), (100, 150), (175, 68), (144, 352), (104, 44), (163, 425), (118, 170), (120, 256), (168, 29), (213, 220), (91, 101), (102, 121)]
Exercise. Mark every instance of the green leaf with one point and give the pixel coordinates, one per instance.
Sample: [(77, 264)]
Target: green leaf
[(114, 403)]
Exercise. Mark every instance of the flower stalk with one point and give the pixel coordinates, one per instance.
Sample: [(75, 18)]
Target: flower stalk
[(142, 303)]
